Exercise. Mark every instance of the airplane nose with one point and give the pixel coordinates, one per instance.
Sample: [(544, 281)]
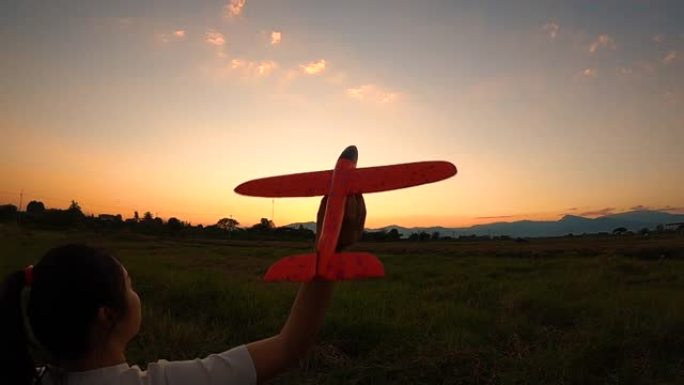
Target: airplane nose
[(350, 153)]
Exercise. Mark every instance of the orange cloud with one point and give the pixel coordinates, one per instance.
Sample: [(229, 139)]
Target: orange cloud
[(589, 73), (176, 35), (598, 213), (551, 29), (234, 8), (670, 57), (315, 67), (371, 92), (215, 38), (254, 68), (602, 41), (276, 36)]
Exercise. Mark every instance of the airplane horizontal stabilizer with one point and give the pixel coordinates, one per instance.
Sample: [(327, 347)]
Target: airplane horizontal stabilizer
[(306, 184), (298, 268), (353, 265)]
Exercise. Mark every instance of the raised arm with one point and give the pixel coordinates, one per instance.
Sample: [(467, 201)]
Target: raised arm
[(275, 354)]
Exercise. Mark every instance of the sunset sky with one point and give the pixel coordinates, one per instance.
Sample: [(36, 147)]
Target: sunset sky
[(546, 107)]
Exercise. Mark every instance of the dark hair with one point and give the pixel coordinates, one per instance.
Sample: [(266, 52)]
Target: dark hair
[(70, 283)]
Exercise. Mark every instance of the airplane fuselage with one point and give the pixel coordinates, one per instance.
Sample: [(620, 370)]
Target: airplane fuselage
[(334, 209)]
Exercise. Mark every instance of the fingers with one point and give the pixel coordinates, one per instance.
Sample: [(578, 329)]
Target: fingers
[(352, 222)]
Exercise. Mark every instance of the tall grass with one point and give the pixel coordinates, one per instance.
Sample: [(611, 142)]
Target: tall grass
[(445, 316)]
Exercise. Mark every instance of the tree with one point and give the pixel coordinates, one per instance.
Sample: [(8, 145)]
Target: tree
[(75, 213), (174, 225), (435, 236), (619, 230), (136, 217), (8, 212), (74, 207), (227, 224), (148, 217), (35, 208), (393, 235), (264, 225)]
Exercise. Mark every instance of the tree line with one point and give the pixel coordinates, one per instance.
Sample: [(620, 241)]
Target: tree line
[(37, 215)]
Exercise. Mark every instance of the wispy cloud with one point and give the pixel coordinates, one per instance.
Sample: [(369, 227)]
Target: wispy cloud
[(254, 68), (589, 73), (670, 57), (315, 67), (667, 208), (233, 8), (276, 36), (602, 42), (498, 217), (551, 30), (598, 213), (215, 38), (177, 35), (659, 39), (372, 92), (671, 97)]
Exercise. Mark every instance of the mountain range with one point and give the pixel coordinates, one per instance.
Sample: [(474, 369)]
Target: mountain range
[(569, 224)]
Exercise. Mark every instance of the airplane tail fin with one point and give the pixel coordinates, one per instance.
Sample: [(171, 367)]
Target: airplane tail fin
[(342, 266)]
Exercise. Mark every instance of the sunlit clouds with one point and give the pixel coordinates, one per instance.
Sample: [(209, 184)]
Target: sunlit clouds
[(233, 8), (215, 38), (670, 57), (544, 108), (589, 73), (551, 30), (169, 37), (602, 42), (254, 68), (314, 67), (276, 36), (372, 93)]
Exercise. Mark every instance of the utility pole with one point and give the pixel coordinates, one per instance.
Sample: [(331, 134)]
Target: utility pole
[(230, 230), (21, 198)]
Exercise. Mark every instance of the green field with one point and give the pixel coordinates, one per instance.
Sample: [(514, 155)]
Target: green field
[(581, 310)]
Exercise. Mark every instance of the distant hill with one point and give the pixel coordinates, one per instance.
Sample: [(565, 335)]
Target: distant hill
[(569, 224)]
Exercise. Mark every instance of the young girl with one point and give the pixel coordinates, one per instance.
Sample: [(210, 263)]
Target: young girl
[(78, 305)]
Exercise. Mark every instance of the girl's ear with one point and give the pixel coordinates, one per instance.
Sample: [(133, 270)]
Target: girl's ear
[(106, 316)]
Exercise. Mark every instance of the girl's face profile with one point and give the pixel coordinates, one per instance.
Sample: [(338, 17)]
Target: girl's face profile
[(129, 325)]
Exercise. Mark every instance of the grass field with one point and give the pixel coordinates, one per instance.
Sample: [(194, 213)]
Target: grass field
[(558, 311)]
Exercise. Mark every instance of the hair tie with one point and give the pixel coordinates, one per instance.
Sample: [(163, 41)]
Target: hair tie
[(28, 275)]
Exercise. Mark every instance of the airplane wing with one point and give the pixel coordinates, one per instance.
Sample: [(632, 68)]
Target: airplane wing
[(305, 184), (382, 178)]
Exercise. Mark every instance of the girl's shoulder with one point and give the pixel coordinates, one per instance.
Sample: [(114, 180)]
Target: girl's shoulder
[(234, 366)]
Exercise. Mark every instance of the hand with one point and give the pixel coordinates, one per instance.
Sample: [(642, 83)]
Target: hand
[(352, 224)]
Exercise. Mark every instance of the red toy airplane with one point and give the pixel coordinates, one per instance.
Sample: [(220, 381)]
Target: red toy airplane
[(337, 184)]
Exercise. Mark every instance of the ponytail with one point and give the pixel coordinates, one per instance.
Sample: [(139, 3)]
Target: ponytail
[(16, 364)]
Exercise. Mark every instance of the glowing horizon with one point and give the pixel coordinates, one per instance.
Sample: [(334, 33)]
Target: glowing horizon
[(546, 108)]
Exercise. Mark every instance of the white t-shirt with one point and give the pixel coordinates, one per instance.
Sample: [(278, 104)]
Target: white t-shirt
[(234, 366)]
